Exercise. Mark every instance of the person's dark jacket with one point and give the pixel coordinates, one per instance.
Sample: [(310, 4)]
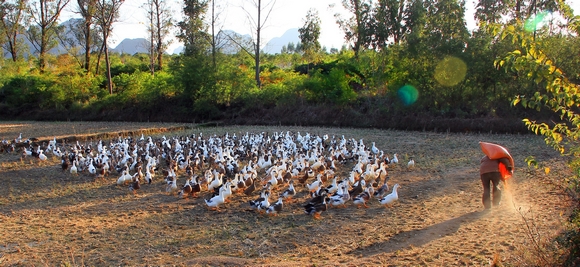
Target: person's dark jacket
[(492, 165)]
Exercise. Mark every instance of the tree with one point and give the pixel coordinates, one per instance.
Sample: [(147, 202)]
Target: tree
[(559, 95), (524, 9), (86, 8), (490, 11), (149, 8), (358, 28), (160, 24), (217, 39), (416, 24), (446, 26), (258, 25), (309, 34), (107, 13), (12, 20), (192, 30), (44, 14), (390, 21), (70, 36)]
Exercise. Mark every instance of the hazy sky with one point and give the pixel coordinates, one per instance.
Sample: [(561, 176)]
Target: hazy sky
[(285, 15)]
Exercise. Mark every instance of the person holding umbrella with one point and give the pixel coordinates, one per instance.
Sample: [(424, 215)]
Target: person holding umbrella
[(497, 165)]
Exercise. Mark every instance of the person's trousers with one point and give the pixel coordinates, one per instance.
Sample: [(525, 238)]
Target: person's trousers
[(488, 180)]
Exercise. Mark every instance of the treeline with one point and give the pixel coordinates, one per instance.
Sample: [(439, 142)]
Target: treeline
[(409, 65)]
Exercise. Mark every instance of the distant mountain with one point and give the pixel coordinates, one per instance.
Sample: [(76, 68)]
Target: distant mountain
[(178, 50), (132, 46), (274, 46), (229, 41), (30, 49)]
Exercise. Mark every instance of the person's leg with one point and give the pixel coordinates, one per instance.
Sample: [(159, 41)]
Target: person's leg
[(496, 179), (485, 182)]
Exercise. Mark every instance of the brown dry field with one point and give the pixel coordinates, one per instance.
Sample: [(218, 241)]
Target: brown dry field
[(50, 218)]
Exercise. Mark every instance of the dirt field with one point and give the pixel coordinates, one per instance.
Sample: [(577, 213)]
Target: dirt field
[(51, 218)]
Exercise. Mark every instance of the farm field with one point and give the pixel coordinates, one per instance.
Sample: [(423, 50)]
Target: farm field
[(51, 218)]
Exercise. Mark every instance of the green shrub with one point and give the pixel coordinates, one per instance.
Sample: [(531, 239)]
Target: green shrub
[(27, 90), (331, 88)]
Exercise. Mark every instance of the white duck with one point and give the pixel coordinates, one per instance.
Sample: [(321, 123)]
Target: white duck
[(273, 178), (390, 199), (395, 160), (411, 164), (171, 185), (73, 168), (333, 187), (148, 176), (41, 155), (216, 182), (340, 197), (214, 202), (125, 178), (92, 169), (264, 203), (374, 149), (227, 190), (313, 187)]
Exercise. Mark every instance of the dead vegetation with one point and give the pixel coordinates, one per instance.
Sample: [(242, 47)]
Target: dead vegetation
[(52, 218)]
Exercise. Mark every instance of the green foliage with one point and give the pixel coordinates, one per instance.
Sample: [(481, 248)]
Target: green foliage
[(330, 88), (231, 83), (130, 86), (358, 29), (196, 76), (560, 96), (310, 33), (409, 39), (192, 28), (130, 64), (29, 91)]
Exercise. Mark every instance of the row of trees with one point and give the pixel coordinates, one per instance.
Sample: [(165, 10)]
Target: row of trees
[(393, 44), (37, 22)]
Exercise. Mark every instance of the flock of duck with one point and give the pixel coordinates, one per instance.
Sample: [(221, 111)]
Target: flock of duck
[(324, 171)]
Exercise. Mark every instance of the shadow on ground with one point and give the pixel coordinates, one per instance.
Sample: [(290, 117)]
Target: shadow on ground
[(419, 237)]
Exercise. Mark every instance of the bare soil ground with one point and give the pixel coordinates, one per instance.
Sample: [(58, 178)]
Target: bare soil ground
[(51, 218)]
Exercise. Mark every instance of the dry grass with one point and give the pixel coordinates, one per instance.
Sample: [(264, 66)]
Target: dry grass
[(51, 218)]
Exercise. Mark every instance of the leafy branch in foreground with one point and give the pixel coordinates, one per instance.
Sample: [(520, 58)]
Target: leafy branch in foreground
[(561, 96)]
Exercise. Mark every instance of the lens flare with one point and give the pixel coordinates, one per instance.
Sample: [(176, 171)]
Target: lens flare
[(408, 94), (450, 71), (535, 22)]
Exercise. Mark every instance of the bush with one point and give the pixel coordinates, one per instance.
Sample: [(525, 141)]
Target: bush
[(27, 90), (331, 88)]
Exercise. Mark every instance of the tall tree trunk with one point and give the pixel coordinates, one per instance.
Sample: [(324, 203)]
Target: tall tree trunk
[(213, 44), (257, 57), (152, 43), (12, 45), (357, 16), (152, 54), (159, 39), (109, 80), (88, 45), (42, 52), (99, 56)]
